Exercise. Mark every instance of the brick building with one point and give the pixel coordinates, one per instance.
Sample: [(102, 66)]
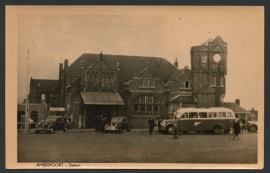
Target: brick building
[(141, 87)]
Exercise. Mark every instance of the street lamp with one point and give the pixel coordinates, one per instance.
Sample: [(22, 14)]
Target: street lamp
[(26, 102)]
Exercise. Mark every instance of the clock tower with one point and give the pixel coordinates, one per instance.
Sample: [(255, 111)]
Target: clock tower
[(209, 70)]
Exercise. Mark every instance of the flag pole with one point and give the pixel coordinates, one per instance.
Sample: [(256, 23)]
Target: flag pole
[(26, 100)]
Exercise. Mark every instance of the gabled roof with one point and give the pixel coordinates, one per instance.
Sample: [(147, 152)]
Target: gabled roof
[(128, 65), (44, 84), (146, 73), (234, 107)]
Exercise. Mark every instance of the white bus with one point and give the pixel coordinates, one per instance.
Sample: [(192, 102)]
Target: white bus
[(201, 120)]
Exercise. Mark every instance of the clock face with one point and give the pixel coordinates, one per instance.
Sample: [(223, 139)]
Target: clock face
[(217, 57)]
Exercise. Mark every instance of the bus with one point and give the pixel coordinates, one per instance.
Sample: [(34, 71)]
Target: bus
[(209, 120)]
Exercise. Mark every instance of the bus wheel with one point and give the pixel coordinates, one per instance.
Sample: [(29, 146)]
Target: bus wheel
[(216, 129), (169, 129)]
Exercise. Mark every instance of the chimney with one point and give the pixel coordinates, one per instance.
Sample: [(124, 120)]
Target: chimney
[(237, 101), (60, 67), (176, 63), (66, 64)]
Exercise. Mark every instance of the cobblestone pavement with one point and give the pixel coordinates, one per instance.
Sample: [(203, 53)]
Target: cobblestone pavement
[(136, 147)]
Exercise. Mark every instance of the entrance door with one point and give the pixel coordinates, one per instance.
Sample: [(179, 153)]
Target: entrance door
[(98, 110)]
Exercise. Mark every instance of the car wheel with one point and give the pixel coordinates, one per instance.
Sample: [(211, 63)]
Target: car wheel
[(216, 129), (51, 130), (169, 129), (252, 128)]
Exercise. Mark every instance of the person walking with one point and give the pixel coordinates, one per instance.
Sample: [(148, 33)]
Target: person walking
[(151, 124), (176, 128), (236, 129)]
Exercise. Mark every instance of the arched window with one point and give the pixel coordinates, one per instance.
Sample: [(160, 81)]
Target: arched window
[(221, 82), (214, 81), (146, 105)]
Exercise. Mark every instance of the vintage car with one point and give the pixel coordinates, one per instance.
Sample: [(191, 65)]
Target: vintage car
[(252, 126), (166, 126), (51, 124), (117, 124)]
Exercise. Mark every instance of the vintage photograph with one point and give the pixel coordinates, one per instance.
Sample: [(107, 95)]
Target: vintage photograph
[(99, 87)]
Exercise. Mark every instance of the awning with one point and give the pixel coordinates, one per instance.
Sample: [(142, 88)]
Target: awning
[(102, 98), (183, 99)]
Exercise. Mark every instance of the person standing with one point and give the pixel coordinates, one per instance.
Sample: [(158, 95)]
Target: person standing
[(151, 124), (96, 123), (159, 125), (236, 129)]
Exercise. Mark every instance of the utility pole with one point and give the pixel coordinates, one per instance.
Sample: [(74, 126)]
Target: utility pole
[(26, 100)]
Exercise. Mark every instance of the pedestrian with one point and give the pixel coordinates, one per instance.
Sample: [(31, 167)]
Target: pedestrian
[(96, 123), (151, 124), (236, 129), (159, 125), (176, 128)]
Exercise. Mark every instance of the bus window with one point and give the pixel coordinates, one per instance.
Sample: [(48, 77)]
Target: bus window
[(221, 114), (193, 115), (203, 114), (212, 114), (185, 115), (229, 114)]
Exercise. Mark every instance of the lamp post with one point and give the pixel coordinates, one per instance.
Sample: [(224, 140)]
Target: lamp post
[(26, 100)]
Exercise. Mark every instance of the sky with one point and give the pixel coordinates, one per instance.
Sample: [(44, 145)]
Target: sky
[(55, 34)]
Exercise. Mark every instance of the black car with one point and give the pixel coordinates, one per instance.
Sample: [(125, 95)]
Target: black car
[(51, 124), (118, 124), (252, 126)]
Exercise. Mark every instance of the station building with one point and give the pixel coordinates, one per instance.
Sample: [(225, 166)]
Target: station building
[(136, 86)]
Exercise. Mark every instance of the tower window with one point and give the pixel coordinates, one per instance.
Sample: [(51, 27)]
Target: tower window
[(221, 82), (204, 59), (214, 81)]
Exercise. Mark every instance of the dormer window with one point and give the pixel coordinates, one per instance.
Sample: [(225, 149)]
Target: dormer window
[(185, 85), (147, 83)]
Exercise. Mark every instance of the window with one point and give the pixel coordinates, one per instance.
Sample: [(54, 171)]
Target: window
[(185, 115), (185, 84), (188, 106), (214, 81), (212, 114), (221, 82), (146, 105), (203, 114), (229, 114), (221, 115), (147, 83), (193, 115), (204, 59)]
